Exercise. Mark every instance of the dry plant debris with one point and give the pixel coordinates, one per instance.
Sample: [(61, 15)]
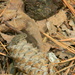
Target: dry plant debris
[(28, 59), (30, 47)]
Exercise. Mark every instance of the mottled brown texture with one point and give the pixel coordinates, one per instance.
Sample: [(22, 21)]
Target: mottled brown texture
[(27, 58), (41, 9)]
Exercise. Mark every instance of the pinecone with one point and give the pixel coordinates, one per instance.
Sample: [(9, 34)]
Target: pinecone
[(27, 58)]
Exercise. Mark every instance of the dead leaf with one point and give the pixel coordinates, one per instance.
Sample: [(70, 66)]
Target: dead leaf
[(6, 37), (63, 55), (51, 28), (21, 21), (47, 46), (58, 18), (3, 28), (42, 25), (8, 14), (11, 9)]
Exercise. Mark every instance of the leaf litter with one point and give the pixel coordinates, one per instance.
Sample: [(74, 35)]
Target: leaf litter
[(53, 35)]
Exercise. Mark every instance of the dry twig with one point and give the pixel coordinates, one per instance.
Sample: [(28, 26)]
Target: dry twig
[(4, 10), (11, 27), (67, 71), (65, 68), (65, 61), (60, 43), (70, 7), (69, 39), (2, 54), (73, 1), (3, 47)]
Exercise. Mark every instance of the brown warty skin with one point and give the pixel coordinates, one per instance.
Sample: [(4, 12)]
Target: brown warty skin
[(41, 9)]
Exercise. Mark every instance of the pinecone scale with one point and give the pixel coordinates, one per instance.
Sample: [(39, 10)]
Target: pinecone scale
[(28, 59)]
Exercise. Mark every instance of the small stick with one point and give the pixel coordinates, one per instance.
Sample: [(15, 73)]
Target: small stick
[(68, 39), (3, 47), (13, 28), (67, 71), (70, 7), (56, 70), (65, 61), (2, 54), (65, 68), (4, 9), (59, 43), (73, 1)]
